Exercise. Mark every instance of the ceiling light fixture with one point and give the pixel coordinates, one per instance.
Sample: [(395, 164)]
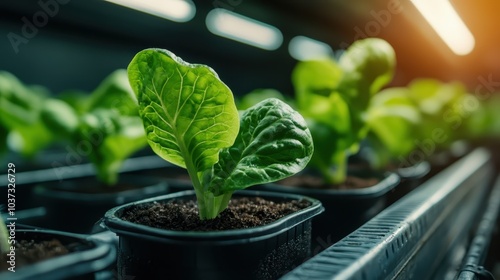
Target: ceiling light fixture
[(174, 10), (243, 29), (447, 23), (305, 48)]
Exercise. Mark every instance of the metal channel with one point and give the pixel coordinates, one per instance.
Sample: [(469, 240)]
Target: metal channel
[(412, 237)]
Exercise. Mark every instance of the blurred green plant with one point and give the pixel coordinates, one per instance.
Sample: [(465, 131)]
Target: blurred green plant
[(334, 98), (393, 120), (484, 122), (442, 109), (20, 109), (106, 121)]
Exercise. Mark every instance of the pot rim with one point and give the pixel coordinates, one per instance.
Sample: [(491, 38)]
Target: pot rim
[(152, 185), (96, 258), (388, 181), (112, 221)]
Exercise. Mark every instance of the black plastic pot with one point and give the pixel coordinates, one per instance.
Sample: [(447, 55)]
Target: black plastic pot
[(264, 252), (345, 210), (70, 209), (86, 258)]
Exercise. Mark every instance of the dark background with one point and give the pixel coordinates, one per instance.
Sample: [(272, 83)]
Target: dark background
[(86, 40)]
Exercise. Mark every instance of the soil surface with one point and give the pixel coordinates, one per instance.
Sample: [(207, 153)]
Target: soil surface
[(317, 182), (183, 215), (28, 252)]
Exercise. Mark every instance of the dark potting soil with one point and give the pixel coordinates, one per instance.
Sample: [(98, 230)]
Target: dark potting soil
[(316, 182), (183, 215), (30, 251)]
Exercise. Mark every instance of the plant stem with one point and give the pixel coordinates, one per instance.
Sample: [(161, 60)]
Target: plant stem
[(209, 206)]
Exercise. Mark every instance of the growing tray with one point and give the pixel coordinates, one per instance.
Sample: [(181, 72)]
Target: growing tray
[(416, 236)]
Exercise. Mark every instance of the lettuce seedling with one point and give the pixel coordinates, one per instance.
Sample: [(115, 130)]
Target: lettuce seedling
[(108, 127), (484, 121), (20, 108), (191, 120), (443, 108), (113, 138), (393, 120), (334, 98)]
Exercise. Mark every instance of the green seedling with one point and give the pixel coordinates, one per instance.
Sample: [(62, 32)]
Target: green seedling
[(106, 124), (393, 120), (334, 98), (20, 108), (191, 120)]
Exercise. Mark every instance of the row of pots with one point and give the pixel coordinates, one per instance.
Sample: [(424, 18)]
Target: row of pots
[(264, 252)]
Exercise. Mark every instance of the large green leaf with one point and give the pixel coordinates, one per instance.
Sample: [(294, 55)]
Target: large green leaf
[(274, 142), (188, 112)]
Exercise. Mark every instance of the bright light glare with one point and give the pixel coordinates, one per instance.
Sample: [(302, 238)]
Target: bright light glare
[(447, 23), (304, 48), (243, 29), (175, 10)]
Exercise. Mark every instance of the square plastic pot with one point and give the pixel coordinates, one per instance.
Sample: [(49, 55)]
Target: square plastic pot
[(263, 252)]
